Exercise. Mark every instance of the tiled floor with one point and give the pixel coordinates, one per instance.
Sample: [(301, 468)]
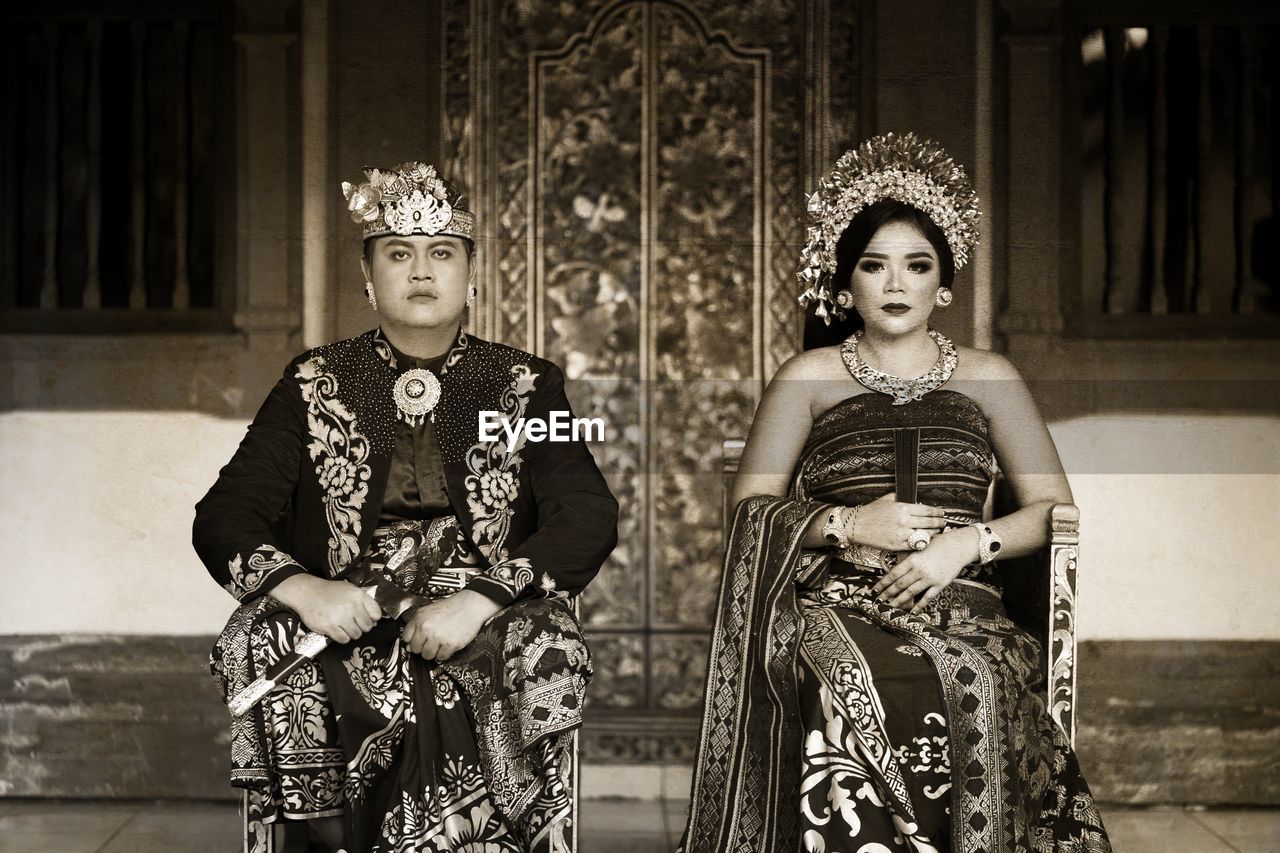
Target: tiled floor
[(608, 826)]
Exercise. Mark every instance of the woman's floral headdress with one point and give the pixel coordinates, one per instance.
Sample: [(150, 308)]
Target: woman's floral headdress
[(911, 170), (409, 199)]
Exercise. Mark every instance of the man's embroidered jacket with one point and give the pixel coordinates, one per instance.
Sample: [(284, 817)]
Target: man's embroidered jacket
[(304, 491)]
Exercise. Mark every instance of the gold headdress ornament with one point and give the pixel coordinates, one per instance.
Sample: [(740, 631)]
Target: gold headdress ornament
[(409, 199), (905, 168)]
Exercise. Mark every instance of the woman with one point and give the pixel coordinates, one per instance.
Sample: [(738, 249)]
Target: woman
[(363, 486), (867, 691)]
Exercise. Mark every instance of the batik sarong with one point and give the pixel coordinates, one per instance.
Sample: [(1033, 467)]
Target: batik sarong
[(416, 755)]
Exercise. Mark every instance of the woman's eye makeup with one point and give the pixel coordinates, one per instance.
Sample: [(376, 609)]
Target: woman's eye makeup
[(920, 266)]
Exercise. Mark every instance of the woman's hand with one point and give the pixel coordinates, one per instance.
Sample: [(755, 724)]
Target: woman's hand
[(926, 573), (885, 523), (338, 609), (438, 630)]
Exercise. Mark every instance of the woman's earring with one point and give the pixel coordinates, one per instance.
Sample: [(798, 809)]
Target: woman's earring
[(943, 297), (471, 295), (844, 298), (368, 291)]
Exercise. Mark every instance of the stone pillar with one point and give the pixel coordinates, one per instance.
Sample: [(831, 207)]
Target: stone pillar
[(1031, 319), (320, 196), (266, 297)]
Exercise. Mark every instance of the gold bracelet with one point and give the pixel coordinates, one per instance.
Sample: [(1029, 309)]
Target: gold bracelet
[(833, 530), (989, 543), (850, 522)]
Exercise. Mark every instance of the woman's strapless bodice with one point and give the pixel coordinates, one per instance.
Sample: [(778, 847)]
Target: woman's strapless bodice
[(849, 457)]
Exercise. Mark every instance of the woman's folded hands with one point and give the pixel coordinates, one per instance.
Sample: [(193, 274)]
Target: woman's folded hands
[(921, 575)]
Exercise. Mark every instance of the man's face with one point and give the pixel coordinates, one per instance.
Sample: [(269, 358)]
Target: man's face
[(419, 281)]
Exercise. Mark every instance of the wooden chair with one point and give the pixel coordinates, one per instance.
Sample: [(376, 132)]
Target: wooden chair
[(1039, 589), (260, 838)]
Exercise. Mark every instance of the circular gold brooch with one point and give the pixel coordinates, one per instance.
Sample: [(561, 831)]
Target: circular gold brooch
[(416, 393)]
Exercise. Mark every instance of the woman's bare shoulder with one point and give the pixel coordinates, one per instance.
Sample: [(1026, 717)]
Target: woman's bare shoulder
[(813, 380), (983, 364), (820, 363)]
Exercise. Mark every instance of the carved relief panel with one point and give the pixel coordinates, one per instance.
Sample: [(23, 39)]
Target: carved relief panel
[(638, 168)]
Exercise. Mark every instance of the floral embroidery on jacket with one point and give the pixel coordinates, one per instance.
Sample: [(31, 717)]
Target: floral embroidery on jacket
[(459, 350), (513, 575), (493, 482), (262, 562), (382, 348), (341, 455)]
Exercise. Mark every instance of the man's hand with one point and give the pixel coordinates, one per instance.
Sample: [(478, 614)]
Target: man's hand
[(438, 630), (338, 609)]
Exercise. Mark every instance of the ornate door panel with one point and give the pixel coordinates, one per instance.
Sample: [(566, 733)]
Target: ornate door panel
[(638, 168)]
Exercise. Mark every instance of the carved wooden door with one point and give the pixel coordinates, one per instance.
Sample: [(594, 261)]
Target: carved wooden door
[(638, 169)]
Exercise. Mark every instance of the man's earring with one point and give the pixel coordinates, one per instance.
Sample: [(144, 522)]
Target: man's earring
[(943, 297), (471, 295), (368, 291)]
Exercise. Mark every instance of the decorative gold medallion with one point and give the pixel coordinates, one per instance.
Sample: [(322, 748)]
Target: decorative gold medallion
[(416, 393)]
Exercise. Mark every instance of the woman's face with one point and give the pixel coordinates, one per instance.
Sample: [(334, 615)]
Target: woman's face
[(896, 279), (419, 281)]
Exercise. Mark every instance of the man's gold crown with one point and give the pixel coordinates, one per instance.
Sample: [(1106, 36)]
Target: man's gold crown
[(409, 199)]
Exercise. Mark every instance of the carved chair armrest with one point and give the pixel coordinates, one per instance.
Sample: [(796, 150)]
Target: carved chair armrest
[(1060, 656)]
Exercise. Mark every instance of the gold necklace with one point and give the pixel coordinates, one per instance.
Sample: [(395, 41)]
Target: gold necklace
[(902, 391)]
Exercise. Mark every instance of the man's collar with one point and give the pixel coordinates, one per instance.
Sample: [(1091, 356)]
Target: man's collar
[(392, 357)]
